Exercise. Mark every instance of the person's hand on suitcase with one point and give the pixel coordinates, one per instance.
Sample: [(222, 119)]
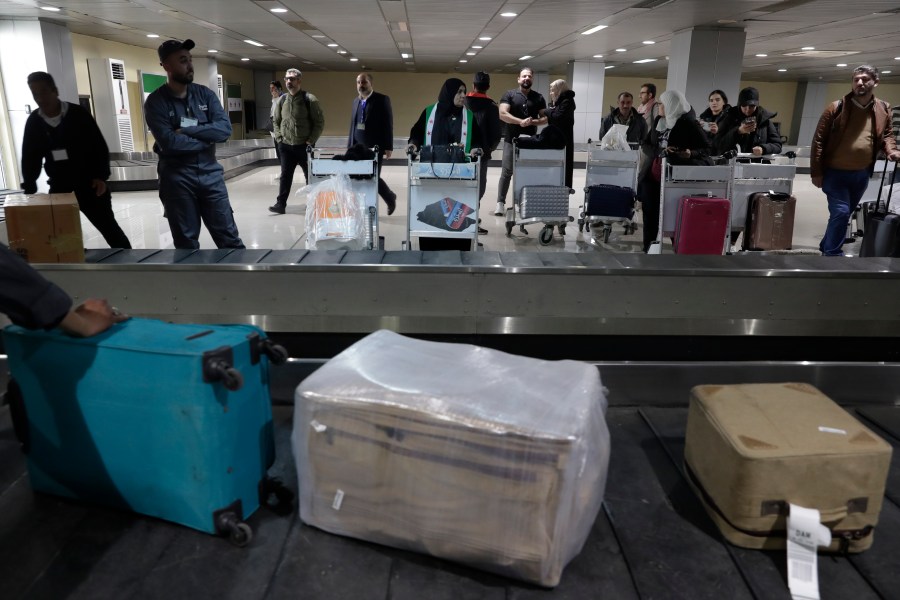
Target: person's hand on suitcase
[(91, 317), (678, 152)]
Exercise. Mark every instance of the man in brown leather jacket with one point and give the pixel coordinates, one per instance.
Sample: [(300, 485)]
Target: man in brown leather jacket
[(848, 137)]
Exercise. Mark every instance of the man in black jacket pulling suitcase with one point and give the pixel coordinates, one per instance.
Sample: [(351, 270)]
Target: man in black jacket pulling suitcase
[(850, 133)]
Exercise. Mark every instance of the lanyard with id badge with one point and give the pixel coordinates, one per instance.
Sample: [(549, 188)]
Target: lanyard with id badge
[(361, 121)]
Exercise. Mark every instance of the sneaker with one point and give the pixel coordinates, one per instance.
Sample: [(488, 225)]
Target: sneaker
[(277, 208), (391, 203), (501, 209)]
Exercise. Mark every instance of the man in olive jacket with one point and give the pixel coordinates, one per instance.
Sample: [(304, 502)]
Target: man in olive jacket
[(847, 140), (298, 121)]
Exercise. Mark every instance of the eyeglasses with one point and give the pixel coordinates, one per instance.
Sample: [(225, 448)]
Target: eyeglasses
[(290, 78)]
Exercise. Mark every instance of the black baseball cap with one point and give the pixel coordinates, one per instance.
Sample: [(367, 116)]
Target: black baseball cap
[(169, 47), (749, 96)]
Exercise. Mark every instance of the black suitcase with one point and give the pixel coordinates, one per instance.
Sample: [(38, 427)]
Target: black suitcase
[(881, 229), (609, 201)]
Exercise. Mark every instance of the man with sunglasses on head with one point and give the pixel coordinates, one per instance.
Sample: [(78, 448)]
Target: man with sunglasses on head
[(299, 121), (187, 121)]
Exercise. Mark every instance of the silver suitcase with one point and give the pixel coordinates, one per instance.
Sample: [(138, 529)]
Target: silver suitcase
[(544, 202)]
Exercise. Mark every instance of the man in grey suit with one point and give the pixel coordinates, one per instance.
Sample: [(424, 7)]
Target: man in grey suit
[(372, 124)]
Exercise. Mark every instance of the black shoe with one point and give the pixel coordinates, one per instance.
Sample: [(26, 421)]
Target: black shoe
[(482, 231), (277, 208), (391, 203)]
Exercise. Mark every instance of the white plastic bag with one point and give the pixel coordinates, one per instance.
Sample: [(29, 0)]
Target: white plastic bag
[(616, 139), (334, 215)]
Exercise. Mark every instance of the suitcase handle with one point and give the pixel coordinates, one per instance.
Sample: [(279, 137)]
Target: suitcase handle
[(887, 203)]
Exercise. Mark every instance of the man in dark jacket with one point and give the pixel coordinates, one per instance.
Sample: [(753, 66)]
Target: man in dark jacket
[(487, 114), (372, 124), (65, 137), (748, 126), (625, 114), (32, 302), (187, 121)]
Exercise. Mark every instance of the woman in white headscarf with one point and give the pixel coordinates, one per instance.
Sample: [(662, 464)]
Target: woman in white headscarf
[(678, 136)]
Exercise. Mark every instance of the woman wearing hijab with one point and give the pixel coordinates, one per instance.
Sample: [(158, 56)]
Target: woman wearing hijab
[(561, 113), (446, 122), (678, 136)]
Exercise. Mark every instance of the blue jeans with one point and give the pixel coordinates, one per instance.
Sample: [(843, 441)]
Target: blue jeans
[(844, 190)]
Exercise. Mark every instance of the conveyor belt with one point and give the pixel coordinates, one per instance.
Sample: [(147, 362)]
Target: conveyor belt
[(652, 538), (598, 306)]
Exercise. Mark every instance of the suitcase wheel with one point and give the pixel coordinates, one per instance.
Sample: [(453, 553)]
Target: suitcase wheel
[(239, 533), (546, 236), (276, 353)]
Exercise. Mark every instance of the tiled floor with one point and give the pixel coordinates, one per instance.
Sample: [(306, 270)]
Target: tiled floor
[(140, 215)]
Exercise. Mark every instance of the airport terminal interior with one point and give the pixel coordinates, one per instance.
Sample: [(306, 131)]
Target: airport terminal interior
[(653, 326)]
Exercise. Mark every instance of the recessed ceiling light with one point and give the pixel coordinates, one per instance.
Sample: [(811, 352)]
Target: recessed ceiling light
[(278, 10), (648, 42), (841, 65), (509, 14), (594, 29), (782, 70), (526, 57), (621, 50), (50, 8), (471, 53), (610, 67), (342, 52), (245, 59), (484, 38), (253, 43), (644, 60), (598, 56), (318, 36), (152, 35), (462, 60), (212, 51), (808, 48), (332, 45), (885, 72), (897, 58), (478, 47), (354, 60), (762, 55), (405, 55)]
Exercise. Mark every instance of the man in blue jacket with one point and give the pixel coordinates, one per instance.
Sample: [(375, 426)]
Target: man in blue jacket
[(187, 120)]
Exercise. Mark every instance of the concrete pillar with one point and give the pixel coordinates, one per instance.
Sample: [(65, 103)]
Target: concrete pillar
[(586, 78), (808, 106), (705, 59), (25, 47)]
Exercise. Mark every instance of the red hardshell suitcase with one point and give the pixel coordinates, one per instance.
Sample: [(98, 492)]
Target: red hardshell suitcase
[(701, 225)]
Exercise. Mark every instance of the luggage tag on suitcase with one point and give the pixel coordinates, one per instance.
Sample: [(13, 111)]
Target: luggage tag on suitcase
[(805, 533)]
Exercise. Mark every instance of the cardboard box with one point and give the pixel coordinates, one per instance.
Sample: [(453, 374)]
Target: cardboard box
[(45, 228)]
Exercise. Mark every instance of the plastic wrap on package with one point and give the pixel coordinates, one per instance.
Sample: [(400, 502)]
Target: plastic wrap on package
[(616, 138), (470, 454), (335, 215)]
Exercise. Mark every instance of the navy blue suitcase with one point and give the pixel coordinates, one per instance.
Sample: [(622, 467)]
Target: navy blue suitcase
[(608, 201)]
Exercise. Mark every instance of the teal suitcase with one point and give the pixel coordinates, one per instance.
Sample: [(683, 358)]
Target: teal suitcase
[(167, 420)]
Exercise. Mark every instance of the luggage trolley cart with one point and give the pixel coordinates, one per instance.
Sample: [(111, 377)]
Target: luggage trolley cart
[(546, 201), (751, 177), (681, 181), (442, 200), (610, 168), (322, 167)]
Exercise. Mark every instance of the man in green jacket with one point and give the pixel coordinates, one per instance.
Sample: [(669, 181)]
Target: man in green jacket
[(298, 121)]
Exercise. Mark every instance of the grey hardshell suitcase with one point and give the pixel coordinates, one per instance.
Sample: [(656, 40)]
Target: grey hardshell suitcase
[(544, 202)]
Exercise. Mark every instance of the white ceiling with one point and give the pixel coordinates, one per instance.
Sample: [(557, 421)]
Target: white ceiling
[(439, 33)]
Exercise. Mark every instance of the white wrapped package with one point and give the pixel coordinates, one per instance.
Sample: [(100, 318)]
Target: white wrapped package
[(470, 454), (334, 215)]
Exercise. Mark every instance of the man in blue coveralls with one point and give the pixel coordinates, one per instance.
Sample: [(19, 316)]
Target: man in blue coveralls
[(187, 120)]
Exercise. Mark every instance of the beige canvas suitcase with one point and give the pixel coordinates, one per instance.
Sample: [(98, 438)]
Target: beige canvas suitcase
[(751, 450), (439, 448)]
